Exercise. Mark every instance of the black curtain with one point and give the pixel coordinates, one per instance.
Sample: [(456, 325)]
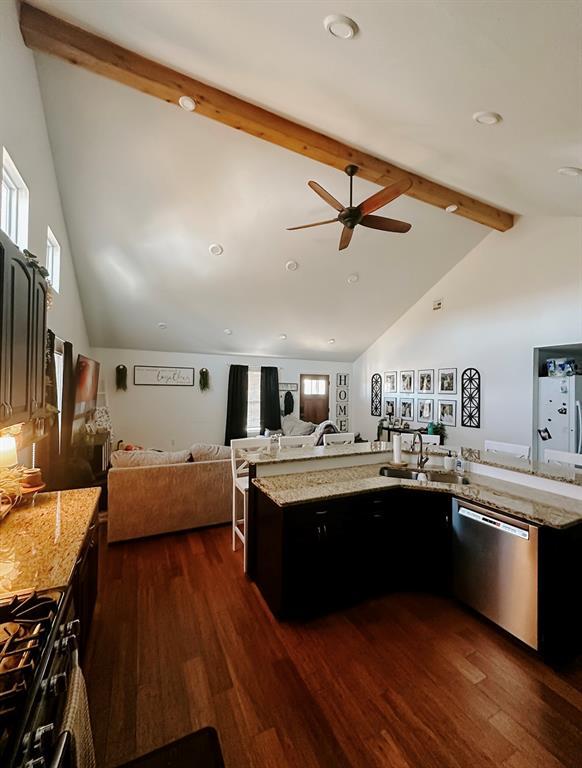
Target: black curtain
[(270, 407), (237, 403), (68, 400)]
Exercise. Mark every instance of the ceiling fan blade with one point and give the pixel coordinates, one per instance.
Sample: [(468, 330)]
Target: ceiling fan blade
[(388, 225), (345, 238), (315, 224), (323, 193), (384, 196)]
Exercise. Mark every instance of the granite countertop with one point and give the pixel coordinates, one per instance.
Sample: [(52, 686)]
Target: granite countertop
[(526, 503), (40, 542), (317, 452), (563, 473)]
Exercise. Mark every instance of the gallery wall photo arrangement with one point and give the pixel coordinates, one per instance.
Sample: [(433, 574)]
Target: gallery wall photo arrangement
[(407, 408), (390, 382), (447, 381), (447, 412), (407, 382), (425, 410), (425, 381)]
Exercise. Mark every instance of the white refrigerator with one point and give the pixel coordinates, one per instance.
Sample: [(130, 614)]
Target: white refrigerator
[(560, 414)]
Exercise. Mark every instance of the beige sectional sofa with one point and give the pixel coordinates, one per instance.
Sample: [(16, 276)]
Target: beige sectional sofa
[(149, 500)]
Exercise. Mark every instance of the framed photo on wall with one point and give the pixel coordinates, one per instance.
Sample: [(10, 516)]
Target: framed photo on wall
[(447, 414), (407, 408), (425, 409), (390, 407), (425, 381), (447, 381), (390, 382), (407, 382)]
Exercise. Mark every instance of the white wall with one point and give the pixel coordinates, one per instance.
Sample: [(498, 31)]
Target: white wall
[(24, 134), (176, 417), (513, 292)]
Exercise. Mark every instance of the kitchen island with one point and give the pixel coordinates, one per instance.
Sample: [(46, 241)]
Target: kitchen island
[(319, 540)]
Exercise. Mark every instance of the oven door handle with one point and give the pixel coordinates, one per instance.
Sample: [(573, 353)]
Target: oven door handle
[(61, 750)]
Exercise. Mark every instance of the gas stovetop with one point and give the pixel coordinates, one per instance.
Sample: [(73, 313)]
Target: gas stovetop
[(26, 623)]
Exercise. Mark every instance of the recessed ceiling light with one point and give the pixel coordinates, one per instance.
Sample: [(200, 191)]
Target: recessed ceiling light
[(353, 278), (163, 326), (291, 266), (487, 118), (215, 249), (570, 170), (187, 103), (452, 208), (340, 26), (282, 336), (331, 341), (228, 331)]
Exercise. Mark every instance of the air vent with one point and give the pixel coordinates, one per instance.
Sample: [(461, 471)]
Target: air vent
[(437, 304)]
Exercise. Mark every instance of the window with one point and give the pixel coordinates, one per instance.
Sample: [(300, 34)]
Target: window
[(254, 404), (13, 203), (53, 260), (314, 386)]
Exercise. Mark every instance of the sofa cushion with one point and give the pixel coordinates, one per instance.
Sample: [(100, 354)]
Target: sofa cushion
[(207, 452), (148, 458)]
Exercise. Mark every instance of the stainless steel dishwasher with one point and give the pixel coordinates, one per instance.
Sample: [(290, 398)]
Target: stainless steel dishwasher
[(495, 568)]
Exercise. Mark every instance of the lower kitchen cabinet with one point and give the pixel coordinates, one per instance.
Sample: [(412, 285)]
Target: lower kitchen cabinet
[(314, 557), (319, 563), (84, 583)]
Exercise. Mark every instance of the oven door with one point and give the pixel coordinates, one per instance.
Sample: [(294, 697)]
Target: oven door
[(37, 747)]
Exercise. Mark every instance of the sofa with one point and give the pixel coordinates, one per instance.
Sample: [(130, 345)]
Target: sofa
[(147, 499)]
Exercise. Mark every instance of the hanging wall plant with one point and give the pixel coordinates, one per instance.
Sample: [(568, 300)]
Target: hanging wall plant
[(121, 377), (204, 379)]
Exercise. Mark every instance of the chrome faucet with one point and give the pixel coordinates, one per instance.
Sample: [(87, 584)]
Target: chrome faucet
[(422, 459)]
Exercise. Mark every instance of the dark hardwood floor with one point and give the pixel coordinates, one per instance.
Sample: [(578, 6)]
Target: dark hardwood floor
[(182, 640)]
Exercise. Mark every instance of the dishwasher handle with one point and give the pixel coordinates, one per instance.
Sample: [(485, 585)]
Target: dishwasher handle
[(494, 522)]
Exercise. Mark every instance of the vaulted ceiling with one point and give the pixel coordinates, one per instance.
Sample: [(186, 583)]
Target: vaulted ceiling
[(147, 187)]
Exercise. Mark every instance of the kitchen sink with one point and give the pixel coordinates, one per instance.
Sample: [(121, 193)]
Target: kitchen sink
[(432, 476)]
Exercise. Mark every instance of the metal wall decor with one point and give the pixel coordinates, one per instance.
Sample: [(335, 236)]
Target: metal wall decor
[(471, 398), (376, 395)]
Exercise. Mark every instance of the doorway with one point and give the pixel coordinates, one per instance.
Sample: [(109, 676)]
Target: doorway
[(314, 397)]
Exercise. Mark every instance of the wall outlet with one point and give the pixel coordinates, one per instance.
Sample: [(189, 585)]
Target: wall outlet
[(437, 304)]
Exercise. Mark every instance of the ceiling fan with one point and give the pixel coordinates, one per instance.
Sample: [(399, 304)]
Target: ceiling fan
[(353, 215)]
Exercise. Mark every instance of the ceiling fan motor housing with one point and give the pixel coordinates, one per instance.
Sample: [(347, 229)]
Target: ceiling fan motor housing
[(350, 217)]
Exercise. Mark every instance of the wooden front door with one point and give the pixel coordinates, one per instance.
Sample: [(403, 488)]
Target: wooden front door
[(314, 397)]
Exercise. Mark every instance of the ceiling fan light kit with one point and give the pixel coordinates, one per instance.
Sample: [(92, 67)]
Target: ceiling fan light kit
[(352, 215)]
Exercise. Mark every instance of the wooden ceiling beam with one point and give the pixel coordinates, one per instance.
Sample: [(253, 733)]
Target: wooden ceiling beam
[(43, 32)]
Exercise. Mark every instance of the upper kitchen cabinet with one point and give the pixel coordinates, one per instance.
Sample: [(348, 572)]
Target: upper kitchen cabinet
[(23, 292)]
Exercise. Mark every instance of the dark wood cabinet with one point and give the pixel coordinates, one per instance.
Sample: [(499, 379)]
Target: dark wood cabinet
[(85, 583), (314, 557), (23, 292)]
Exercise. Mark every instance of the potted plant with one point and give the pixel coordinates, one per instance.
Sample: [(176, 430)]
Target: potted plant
[(437, 428)]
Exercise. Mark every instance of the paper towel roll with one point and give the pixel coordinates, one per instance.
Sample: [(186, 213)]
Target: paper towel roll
[(397, 447)]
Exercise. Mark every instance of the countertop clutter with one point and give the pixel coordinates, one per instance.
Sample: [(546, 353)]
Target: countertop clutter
[(529, 504), (40, 543)]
